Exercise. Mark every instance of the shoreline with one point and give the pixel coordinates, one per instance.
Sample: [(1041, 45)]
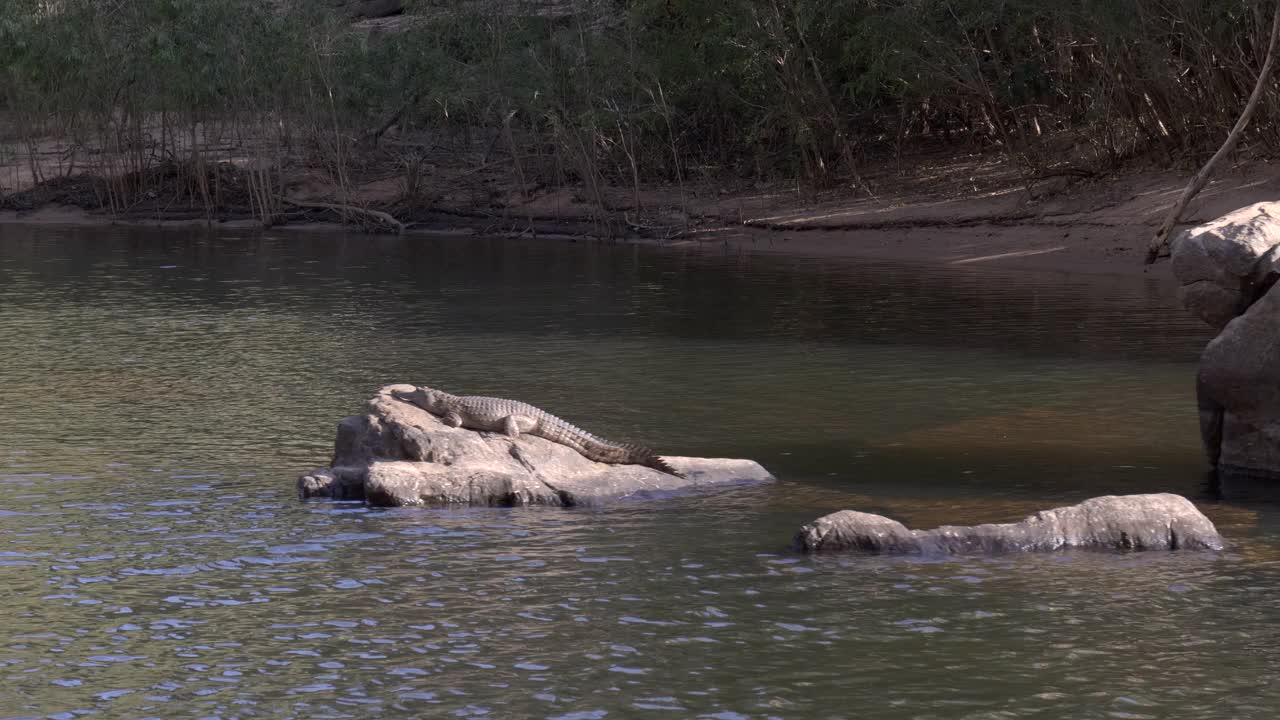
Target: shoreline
[(1101, 227), (999, 246)]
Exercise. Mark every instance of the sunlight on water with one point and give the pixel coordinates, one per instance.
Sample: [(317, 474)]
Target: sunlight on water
[(161, 392)]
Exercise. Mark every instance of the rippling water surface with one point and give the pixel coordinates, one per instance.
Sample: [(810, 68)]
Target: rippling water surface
[(159, 393)]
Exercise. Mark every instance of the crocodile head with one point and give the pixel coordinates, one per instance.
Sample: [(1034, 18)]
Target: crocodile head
[(431, 400)]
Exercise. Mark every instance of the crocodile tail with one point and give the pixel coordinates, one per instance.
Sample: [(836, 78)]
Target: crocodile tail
[(648, 458)]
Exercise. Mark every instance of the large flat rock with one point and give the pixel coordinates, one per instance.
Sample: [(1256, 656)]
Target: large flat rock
[(1160, 521), (396, 453)]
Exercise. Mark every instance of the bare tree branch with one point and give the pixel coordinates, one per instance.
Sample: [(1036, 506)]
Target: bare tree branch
[(1160, 243)]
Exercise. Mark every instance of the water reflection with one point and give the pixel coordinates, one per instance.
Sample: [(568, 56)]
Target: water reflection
[(161, 391)]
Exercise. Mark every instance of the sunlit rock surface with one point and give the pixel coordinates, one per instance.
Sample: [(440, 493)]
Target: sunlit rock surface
[(1227, 269), (396, 453), (1222, 265), (1159, 521)]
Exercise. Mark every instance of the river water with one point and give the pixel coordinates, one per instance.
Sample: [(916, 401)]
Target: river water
[(160, 392)]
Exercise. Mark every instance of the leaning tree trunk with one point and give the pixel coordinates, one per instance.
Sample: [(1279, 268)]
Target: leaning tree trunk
[(1160, 243)]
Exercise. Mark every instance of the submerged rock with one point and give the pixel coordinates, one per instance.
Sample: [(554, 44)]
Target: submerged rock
[(1160, 521), (396, 453)]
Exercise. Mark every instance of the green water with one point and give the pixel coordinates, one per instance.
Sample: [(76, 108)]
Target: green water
[(160, 393)]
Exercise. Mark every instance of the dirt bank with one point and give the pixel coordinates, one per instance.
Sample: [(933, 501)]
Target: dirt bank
[(954, 210), (1099, 226)]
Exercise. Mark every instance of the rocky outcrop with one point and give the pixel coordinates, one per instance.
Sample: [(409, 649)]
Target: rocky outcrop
[(396, 453), (1239, 385), (1128, 522), (1224, 265), (1227, 270)]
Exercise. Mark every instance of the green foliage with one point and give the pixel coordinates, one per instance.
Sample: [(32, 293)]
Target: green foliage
[(652, 87)]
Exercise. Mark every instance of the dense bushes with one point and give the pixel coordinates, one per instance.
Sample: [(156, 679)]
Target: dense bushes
[(597, 92)]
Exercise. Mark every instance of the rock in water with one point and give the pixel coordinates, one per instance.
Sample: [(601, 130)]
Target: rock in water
[(1238, 385), (1159, 521), (1223, 265), (396, 453), (1227, 269)]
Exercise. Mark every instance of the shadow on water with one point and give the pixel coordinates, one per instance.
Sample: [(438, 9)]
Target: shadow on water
[(161, 391)]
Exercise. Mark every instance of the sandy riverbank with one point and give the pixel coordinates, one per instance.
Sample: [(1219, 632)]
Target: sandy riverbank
[(1102, 226), (951, 211)]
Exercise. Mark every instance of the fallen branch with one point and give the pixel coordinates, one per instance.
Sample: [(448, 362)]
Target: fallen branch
[(375, 214), (1160, 243)]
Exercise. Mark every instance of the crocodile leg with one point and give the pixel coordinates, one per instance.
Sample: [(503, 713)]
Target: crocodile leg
[(452, 419), (514, 425)]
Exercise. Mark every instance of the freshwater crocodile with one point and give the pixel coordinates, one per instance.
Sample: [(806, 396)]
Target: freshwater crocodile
[(513, 418)]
